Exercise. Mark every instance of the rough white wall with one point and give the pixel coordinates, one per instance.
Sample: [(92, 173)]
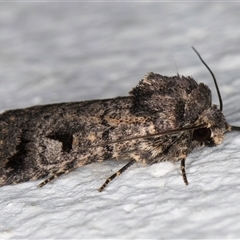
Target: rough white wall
[(56, 52)]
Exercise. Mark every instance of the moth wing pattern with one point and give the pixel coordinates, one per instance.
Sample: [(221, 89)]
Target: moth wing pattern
[(48, 140)]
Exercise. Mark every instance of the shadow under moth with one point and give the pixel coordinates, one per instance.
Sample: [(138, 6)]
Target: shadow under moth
[(162, 119)]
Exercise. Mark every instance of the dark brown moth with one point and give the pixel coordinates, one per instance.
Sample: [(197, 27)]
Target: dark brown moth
[(163, 119)]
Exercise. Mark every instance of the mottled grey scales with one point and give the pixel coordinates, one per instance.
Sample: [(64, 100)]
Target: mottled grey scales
[(50, 140)]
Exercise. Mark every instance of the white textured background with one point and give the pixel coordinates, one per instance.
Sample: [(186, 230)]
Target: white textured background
[(56, 52)]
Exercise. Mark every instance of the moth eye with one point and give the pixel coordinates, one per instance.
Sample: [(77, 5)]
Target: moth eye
[(202, 134)]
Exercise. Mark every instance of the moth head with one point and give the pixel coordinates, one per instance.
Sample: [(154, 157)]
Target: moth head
[(217, 125), (214, 127)]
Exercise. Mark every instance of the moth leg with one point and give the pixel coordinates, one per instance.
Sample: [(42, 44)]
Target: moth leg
[(183, 171), (120, 171), (53, 177)]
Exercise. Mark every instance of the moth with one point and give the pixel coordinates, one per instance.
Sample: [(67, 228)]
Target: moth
[(162, 119)]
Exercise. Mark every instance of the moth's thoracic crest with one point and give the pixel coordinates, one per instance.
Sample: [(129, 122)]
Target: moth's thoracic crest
[(163, 119)]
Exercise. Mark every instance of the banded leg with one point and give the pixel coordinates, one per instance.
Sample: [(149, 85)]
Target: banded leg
[(53, 177), (120, 171), (183, 171)]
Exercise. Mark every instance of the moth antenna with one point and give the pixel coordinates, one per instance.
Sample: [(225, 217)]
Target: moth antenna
[(234, 128), (176, 68), (151, 135), (214, 79)]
